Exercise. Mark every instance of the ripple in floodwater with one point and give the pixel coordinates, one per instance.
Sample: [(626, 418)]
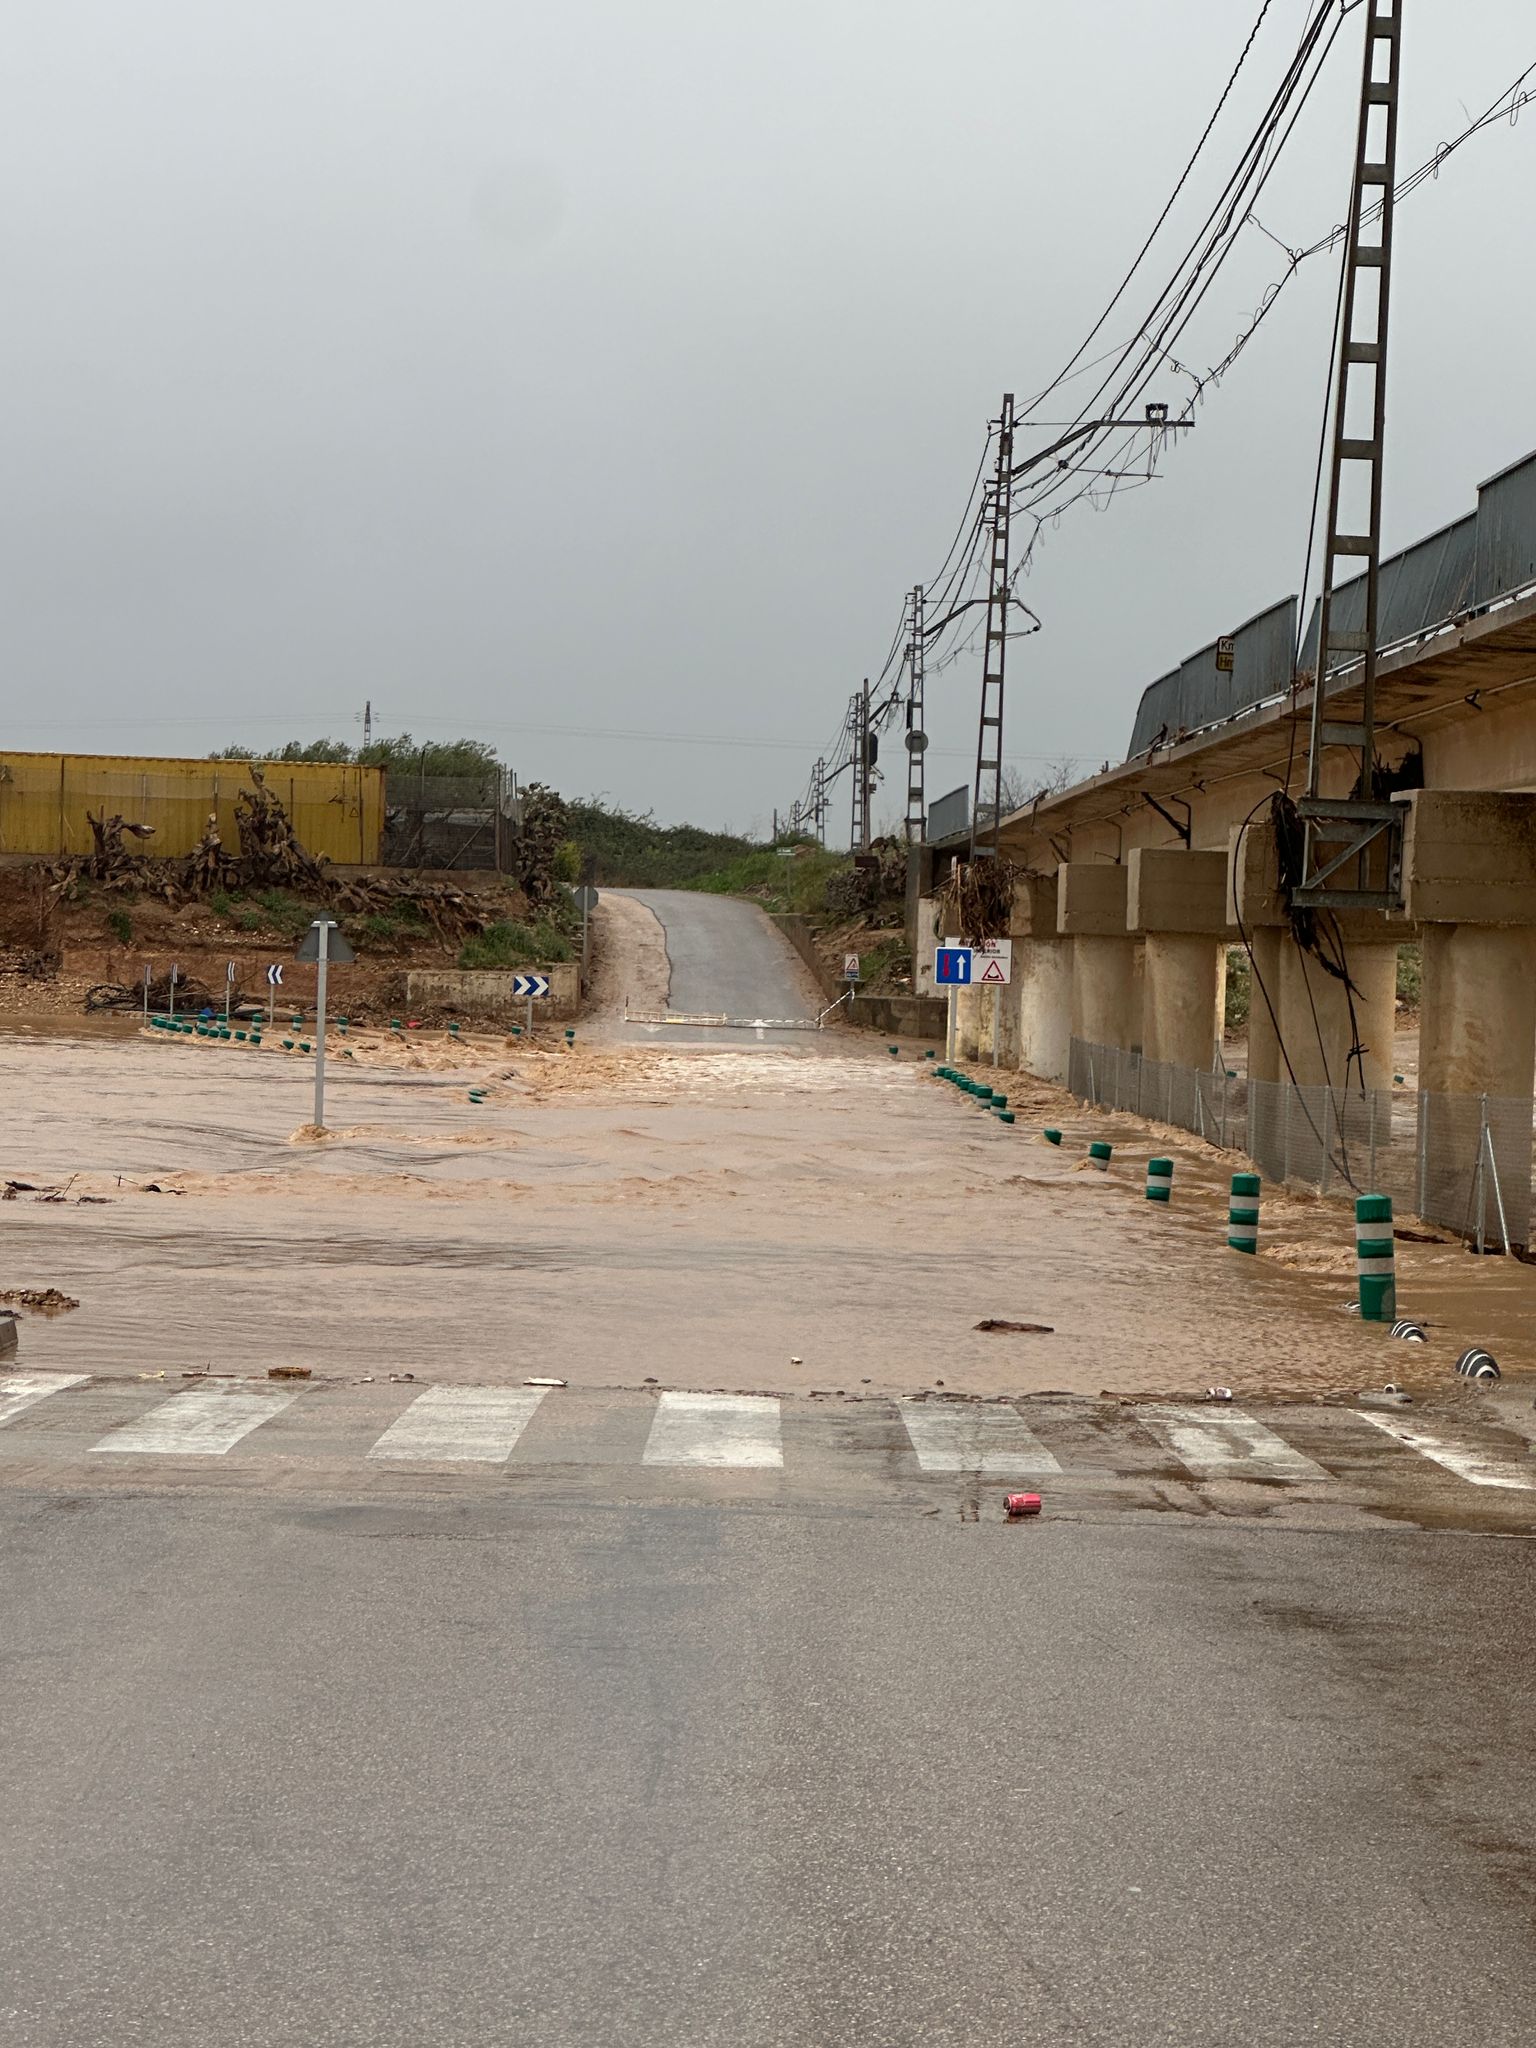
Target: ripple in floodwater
[(699, 1217)]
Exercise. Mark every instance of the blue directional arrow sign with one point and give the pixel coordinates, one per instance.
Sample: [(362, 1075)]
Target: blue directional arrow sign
[(952, 966), (530, 984)]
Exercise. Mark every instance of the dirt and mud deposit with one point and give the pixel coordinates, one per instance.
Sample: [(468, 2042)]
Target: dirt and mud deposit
[(815, 1216)]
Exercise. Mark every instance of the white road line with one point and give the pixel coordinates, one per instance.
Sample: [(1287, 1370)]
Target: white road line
[(19, 1390), (715, 1429), (959, 1436), (203, 1422), (461, 1424), (1482, 1468), (1227, 1444)]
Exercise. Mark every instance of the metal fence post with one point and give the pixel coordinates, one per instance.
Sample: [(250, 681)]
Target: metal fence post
[(1322, 1171), (1285, 1109), (1482, 1185), (1373, 1140), (1423, 1148)]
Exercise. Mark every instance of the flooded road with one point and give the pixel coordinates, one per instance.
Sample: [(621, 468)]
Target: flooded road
[(812, 1216)]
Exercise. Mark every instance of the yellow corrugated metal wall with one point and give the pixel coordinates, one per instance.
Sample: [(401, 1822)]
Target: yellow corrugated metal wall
[(337, 808)]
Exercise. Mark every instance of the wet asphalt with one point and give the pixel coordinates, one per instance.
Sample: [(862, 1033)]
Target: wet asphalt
[(449, 1772)]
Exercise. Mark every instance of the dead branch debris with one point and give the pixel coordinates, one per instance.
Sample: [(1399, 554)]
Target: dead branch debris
[(976, 900), (46, 1301), (271, 856)]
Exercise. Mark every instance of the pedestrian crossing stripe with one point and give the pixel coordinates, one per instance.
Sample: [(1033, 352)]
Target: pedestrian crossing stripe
[(479, 1425), (22, 1390), (1478, 1467), (964, 1436), (448, 1424), (1224, 1443), (202, 1422), (731, 1430)]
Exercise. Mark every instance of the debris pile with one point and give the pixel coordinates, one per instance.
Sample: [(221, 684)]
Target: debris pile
[(976, 900), (47, 1301), (191, 994), (876, 877), (546, 825), (272, 856)]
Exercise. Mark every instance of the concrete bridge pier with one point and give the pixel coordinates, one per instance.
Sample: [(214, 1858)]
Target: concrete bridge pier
[(1320, 1017), (1469, 882), (1039, 1003), (1178, 899), (1090, 911), (1265, 944), (1317, 1018), (1256, 911)]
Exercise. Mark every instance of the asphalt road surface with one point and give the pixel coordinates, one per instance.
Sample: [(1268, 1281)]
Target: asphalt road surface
[(728, 959), (457, 1770)]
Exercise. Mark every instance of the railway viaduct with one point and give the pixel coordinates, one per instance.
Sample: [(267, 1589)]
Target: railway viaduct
[(1133, 884)]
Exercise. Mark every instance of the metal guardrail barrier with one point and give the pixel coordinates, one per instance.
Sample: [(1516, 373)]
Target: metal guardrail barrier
[(720, 1022)]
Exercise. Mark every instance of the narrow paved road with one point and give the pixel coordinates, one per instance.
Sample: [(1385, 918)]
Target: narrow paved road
[(728, 959), (322, 1774)]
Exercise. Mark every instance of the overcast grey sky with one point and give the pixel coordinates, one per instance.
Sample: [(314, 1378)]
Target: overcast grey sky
[(562, 374)]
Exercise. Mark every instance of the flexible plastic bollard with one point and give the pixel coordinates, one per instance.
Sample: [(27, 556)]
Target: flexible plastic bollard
[(1099, 1156), (1243, 1213), (1159, 1180), (1376, 1258)]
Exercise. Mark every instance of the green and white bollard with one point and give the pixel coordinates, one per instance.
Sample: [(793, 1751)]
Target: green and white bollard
[(1243, 1213), (1375, 1258), (1159, 1180), (1099, 1155)]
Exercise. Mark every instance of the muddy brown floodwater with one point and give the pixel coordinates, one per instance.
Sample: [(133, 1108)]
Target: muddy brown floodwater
[(766, 1218)]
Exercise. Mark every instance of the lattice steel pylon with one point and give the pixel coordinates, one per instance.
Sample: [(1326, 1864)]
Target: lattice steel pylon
[(858, 729), (1353, 843), (819, 801), (997, 513), (917, 738)]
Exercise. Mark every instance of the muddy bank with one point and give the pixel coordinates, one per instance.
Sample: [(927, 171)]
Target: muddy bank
[(774, 1218)]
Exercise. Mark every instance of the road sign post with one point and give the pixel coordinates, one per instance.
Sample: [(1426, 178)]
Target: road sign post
[(323, 957), (175, 977), (322, 943), (586, 903), (530, 985), (952, 972), (229, 987), (274, 983), (850, 967), (148, 969)]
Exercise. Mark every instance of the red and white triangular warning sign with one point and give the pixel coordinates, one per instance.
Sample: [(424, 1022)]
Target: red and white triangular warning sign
[(993, 971)]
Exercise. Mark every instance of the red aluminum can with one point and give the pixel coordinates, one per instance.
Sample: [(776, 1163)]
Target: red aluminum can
[(1018, 1504)]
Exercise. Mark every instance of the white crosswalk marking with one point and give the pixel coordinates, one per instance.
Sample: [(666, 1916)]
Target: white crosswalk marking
[(1227, 1444), (715, 1429), (453, 1424), (203, 1422), (961, 1436), (19, 1390), (1481, 1468)]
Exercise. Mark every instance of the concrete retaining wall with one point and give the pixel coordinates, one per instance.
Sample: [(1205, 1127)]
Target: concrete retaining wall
[(488, 993), (900, 1016), (798, 932)]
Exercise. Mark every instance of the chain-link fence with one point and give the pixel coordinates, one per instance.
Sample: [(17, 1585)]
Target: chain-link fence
[(450, 821), (1461, 1161), (1213, 1105)]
